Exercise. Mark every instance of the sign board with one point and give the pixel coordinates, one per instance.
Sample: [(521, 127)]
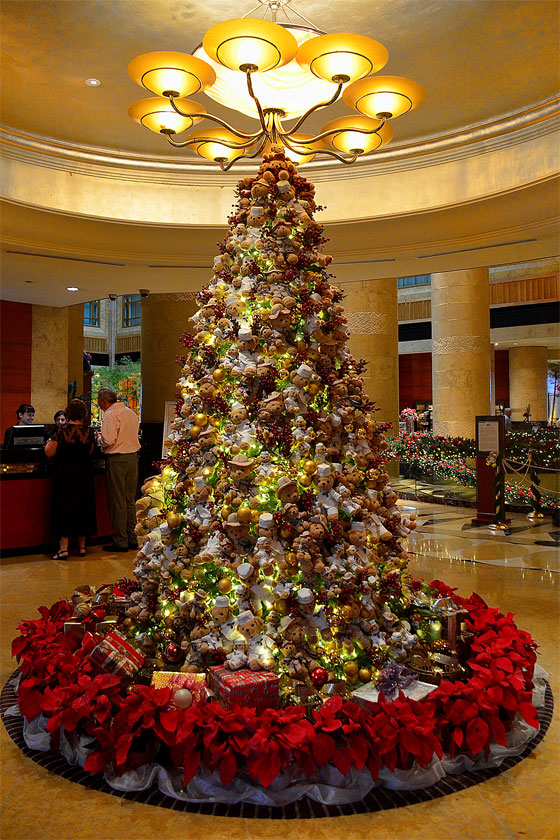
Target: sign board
[(490, 437)]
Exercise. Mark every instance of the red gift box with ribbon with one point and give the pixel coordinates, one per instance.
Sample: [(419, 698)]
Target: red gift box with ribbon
[(115, 655), (258, 689)]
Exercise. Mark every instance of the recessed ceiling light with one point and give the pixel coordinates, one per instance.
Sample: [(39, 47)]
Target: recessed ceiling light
[(495, 344), (72, 289), (91, 82)]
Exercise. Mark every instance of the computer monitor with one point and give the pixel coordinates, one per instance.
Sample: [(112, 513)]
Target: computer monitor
[(25, 437)]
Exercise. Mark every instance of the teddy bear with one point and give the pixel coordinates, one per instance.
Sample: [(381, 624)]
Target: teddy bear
[(327, 497), (287, 491), (249, 576), (206, 388), (312, 618), (257, 215)]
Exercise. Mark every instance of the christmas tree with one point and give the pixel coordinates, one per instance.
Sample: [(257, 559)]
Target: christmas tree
[(272, 540)]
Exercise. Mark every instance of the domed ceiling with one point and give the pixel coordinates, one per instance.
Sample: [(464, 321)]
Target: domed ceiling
[(480, 61)]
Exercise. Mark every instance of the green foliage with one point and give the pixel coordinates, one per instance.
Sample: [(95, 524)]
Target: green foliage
[(124, 378)]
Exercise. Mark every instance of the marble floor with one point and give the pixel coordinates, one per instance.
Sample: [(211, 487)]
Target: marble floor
[(516, 572)]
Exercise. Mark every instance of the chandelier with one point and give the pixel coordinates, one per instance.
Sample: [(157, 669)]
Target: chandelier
[(275, 73)]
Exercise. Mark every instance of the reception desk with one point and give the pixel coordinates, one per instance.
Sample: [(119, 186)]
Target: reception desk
[(26, 494)]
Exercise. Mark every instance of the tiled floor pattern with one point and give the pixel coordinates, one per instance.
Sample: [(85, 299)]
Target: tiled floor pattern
[(511, 572)]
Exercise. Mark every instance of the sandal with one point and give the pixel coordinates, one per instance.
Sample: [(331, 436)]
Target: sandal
[(60, 555), (81, 552)]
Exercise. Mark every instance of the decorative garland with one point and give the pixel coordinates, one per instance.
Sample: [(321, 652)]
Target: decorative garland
[(445, 458), (132, 727)]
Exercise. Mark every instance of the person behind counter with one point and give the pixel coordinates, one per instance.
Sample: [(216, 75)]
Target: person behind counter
[(60, 418), (25, 416), (71, 446), (120, 444)]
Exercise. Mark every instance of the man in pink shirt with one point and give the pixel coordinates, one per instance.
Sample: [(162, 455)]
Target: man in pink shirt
[(120, 444)]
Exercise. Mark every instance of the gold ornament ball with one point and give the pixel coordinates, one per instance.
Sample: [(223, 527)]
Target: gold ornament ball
[(173, 520), (244, 514), (350, 669), (309, 467), (305, 480), (347, 612), (219, 375), (291, 558), (352, 680), (200, 420), (225, 511), (207, 471), (255, 516), (194, 431), (224, 585), (313, 389), (364, 674), (214, 421), (281, 606), (129, 624)]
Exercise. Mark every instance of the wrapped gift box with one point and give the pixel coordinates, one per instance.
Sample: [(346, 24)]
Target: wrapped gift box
[(368, 694), (76, 628), (258, 689), (195, 683), (115, 655)]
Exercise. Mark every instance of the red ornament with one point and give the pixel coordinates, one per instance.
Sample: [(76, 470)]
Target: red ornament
[(319, 677), (172, 652)]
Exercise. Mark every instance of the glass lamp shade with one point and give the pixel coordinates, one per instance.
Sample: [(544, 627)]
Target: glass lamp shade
[(342, 54), (389, 96), (157, 114), (259, 43), (171, 72), (210, 147), (291, 88), (349, 141), (303, 153)]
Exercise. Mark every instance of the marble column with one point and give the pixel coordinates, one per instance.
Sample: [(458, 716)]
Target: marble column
[(371, 309), (164, 318), (460, 350), (49, 360), (528, 372)]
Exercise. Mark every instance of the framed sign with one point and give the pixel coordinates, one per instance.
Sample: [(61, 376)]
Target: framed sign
[(490, 438), (168, 418)]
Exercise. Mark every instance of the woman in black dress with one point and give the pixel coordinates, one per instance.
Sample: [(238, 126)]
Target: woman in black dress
[(71, 447)]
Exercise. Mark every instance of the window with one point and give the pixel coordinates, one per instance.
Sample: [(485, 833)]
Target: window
[(91, 313), (132, 311), (417, 280)]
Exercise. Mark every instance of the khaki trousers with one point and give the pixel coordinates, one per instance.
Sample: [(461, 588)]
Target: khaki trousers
[(121, 473)]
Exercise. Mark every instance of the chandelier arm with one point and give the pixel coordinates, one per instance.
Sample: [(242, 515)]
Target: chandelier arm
[(254, 97), (352, 159), (314, 108), (225, 166), (182, 144), (325, 134), (201, 139), (221, 122)]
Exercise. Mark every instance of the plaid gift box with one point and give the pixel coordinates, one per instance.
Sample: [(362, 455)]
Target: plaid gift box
[(258, 689), (195, 683), (115, 655)]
